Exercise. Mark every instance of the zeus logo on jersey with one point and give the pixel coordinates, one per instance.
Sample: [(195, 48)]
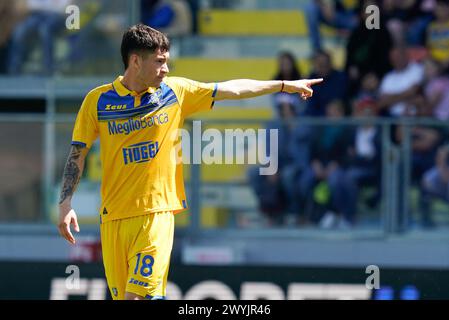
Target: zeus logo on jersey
[(131, 125), (118, 107), (140, 152)]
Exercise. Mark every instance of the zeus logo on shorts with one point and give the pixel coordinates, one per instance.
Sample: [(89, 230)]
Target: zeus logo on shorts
[(140, 152), (139, 283)]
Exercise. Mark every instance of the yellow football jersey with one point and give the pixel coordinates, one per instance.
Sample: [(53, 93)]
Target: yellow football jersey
[(139, 174)]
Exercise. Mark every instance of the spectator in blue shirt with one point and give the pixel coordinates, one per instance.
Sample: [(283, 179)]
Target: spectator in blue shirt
[(334, 13), (334, 88), (47, 19)]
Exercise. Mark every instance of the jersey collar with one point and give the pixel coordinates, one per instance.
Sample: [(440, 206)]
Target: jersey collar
[(123, 91)]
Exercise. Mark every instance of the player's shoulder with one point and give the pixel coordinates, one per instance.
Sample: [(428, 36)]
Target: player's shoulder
[(97, 91), (177, 81), (93, 96)]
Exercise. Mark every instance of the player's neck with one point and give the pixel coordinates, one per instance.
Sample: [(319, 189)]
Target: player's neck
[(132, 84)]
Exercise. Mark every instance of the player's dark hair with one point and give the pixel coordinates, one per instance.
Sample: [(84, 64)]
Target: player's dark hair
[(140, 38)]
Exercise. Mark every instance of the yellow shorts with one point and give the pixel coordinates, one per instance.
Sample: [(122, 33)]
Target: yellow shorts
[(136, 254)]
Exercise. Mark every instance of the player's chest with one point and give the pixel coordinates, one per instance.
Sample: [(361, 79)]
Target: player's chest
[(148, 114)]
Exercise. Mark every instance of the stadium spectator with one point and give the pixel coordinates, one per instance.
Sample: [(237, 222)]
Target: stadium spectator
[(325, 170), (194, 8), (436, 90), (287, 67), (334, 88), (47, 18), (425, 141), (435, 184), (339, 14), (273, 192), (299, 152), (287, 70), (10, 14), (369, 88), (276, 194), (173, 17), (401, 94), (147, 9), (363, 163), (408, 20), (438, 34), (325, 95), (367, 51), (292, 154), (400, 87)]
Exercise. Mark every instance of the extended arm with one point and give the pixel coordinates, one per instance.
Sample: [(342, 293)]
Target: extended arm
[(245, 88), (386, 100), (71, 177)]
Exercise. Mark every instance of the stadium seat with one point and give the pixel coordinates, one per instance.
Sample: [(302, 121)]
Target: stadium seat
[(252, 22), (209, 70), (255, 23)]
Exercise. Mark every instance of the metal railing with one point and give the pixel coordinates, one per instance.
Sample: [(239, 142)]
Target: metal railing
[(52, 131)]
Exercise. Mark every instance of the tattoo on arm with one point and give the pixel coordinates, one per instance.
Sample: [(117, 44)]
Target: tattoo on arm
[(72, 174)]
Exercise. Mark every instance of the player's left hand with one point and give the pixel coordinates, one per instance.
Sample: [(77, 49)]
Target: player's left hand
[(303, 87), (67, 217)]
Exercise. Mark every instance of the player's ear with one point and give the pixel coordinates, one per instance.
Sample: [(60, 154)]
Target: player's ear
[(135, 60)]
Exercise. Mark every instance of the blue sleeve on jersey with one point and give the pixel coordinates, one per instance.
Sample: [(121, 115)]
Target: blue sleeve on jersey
[(215, 90), (78, 143)]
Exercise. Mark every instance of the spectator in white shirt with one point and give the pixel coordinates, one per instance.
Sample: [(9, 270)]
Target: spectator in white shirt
[(400, 87)]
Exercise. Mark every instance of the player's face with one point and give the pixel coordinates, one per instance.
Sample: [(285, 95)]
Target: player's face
[(153, 68)]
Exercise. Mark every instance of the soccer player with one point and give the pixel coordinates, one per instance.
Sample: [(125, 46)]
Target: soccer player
[(142, 187)]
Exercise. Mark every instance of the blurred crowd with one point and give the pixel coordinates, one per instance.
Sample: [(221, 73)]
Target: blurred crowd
[(399, 70), (26, 25)]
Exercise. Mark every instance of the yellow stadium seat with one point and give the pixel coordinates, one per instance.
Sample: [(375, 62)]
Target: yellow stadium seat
[(231, 113), (209, 70), (212, 69), (213, 217), (219, 22), (252, 22), (210, 217)]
